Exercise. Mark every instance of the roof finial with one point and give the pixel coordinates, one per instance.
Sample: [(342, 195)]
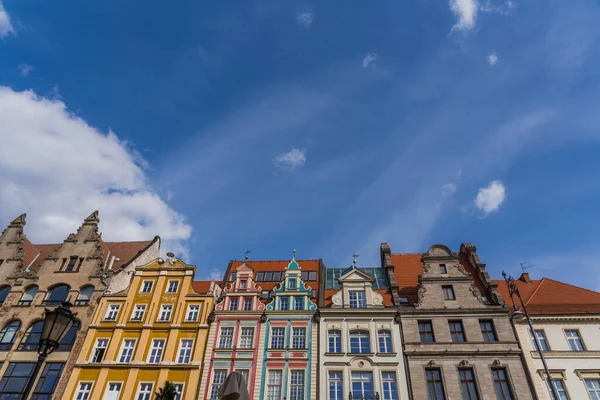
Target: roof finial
[(248, 251), (294, 255)]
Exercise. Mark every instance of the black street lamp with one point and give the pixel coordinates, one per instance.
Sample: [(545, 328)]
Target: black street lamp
[(57, 323), (518, 315)]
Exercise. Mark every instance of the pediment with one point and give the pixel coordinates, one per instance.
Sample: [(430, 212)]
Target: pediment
[(355, 275)]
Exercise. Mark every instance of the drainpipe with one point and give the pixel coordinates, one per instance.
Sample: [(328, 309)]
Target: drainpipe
[(525, 366)]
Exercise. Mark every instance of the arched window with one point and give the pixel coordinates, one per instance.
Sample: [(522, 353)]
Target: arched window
[(31, 338), (4, 293), (359, 342), (57, 295), (85, 295), (8, 333), (67, 343), (28, 296), (385, 341), (335, 341)]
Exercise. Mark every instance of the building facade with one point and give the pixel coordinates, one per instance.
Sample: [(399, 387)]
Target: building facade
[(153, 331), (458, 339), (566, 320), (360, 347), (35, 277)]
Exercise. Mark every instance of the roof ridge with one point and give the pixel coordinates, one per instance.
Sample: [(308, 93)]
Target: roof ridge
[(536, 290), (573, 286)]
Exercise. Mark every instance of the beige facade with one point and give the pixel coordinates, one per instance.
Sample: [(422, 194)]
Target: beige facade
[(36, 277)]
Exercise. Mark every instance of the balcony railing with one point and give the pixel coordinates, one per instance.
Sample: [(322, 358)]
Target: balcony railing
[(364, 397)]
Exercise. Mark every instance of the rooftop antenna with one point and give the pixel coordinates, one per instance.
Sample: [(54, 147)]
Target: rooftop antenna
[(525, 266), (248, 251)]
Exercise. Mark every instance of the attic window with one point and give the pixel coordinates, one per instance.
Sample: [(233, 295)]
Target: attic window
[(72, 265), (443, 269), (232, 277), (243, 284), (266, 294), (403, 300)]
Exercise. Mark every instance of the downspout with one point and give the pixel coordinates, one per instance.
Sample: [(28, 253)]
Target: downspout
[(522, 357)]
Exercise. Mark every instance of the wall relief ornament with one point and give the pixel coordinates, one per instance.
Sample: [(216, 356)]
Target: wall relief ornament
[(421, 293), (461, 269), (463, 363), (432, 363), (336, 299), (476, 293), (377, 298)]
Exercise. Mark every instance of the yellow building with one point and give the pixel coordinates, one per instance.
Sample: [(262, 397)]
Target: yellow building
[(151, 332)]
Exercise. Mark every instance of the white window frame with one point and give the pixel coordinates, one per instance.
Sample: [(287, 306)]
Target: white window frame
[(296, 300), (183, 351), (359, 303), (123, 348), (282, 337), (179, 392), (385, 333), (214, 391), (221, 336), (96, 348), (139, 393), (143, 285), (301, 386), (244, 343), (386, 384), (589, 390), (136, 311), (156, 351), (83, 394), (246, 300), (578, 337), (340, 379), (274, 384), (195, 312), (298, 339), (169, 283), (109, 312), (231, 303), (163, 310), (106, 391)]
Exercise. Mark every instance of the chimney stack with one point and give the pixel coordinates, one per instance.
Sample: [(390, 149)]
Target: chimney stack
[(525, 277)]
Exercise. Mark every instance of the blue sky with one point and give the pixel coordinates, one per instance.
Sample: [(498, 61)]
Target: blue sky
[(320, 126)]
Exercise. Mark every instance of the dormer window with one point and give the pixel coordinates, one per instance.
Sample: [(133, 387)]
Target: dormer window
[(232, 277), (443, 269), (292, 283), (403, 300), (358, 299), (72, 265), (243, 284)]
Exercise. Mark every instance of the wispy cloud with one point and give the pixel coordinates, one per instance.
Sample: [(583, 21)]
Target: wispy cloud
[(290, 160), (369, 58), (6, 27), (490, 198), (448, 189), (492, 59), (501, 8), (466, 12), (304, 18), (25, 69)]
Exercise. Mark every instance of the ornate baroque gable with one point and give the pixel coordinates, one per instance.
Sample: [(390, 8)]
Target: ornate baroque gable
[(243, 288), (354, 280), (291, 289)]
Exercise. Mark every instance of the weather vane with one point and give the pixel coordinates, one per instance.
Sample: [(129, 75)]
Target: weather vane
[(246, 253), (525, 266)]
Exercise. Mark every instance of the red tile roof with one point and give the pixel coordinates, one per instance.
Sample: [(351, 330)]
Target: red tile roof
[(547, 296), (203, 287), (126, 251)]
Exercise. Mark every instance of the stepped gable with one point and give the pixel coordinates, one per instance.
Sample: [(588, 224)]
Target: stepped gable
[(548, 296)]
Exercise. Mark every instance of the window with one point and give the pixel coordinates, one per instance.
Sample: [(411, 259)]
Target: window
[(247, 304), (357, 299), (426, 332), (435, 387), (113, 391), (268, 276), (468, 384), (336, 385), (28, 296), (147, 286), (277, 338), (284, 303), (172, 287), (218, 379), (457, 332), (559, 385), (385, 341), (112, 312), (247, 338), (83, 391), (48, 380), (390, 388), (575, 342), (593, 388), (31, 338), (15, 378), (72, 264), (487, 330), (185, 351), (403, 300), (298, 338), (260, 276), (144, 391), (156, 351), (541, 337), (362, 385), (178, 390), (69, 339), (226, 339), (99, 350), (266, 294), (233, 304), (165, 313), (297, 385), (57, 295), (232, 276), (443, 269), (298, 303), (335, 341), (84, 296), (243, 284), (4, 293), (127, 350), (292, 283), (274, 385), (8, 334), (192, 313), (448, 293), (501, 384), (138, 313), (313, 293), (309, 276), (359, 342)]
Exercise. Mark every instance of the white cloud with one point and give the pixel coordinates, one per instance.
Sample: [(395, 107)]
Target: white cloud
[(291, 160), (305, 18), (504, 8), (25, 69), (466, 12), (369, 58), (448, 189), (490, 198), (6, 27), (61, 169), (492, 58)]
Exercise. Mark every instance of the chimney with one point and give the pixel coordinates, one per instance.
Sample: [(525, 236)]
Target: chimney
[(525, 277)]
